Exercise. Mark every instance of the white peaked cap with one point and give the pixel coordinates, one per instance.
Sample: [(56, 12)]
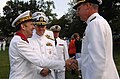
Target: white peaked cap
[(21, 18)]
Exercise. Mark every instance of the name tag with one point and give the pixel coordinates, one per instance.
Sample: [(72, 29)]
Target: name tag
[(61, 44)]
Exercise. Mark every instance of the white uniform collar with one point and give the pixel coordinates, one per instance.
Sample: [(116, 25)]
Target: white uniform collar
[(57, 38), (37, 36), (92, 16)]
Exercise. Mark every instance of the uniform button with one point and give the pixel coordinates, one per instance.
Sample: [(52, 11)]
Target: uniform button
[(50, 52)]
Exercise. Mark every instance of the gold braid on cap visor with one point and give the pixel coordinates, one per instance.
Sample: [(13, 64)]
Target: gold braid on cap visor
[(40, 23), (23, 19), (81, 1)]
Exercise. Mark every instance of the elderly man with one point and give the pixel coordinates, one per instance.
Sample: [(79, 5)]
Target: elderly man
[(62, 50), (45, 44), (96, 56), (22, 56)]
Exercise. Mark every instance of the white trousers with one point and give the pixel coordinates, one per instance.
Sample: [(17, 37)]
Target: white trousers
[(60, 75)]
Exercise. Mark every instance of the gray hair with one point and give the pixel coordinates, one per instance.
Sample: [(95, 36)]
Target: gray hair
[(95, 6)]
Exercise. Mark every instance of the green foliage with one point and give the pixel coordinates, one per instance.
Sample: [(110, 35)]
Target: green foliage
[(16, 7), (110, 10), (70, 23)]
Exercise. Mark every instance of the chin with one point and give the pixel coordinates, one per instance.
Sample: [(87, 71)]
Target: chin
[(30, 36), (41, 34)]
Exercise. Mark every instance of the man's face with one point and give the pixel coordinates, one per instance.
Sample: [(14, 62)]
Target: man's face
[(82, 12), (28, 27), (40, 30), (56, 34)]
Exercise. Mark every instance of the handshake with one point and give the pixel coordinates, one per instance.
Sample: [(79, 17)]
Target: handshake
[(71, 64)]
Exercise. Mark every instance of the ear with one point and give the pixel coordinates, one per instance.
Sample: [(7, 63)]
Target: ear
[(23, 26), (45, 27)]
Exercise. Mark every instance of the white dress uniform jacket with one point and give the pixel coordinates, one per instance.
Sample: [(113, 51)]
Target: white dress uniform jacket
[(48, 50), (96, 56), (47, 33), (62, 51), (22, 57)]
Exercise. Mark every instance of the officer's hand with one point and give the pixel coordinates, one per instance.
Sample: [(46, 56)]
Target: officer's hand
[(71, 64), (44, 72)]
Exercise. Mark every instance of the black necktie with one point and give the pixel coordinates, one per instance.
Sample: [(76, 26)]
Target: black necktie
[(55, 42)]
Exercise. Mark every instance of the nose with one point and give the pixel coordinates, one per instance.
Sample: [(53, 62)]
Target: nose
[(33, 27)]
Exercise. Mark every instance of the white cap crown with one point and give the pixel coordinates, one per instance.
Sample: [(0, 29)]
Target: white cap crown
[(55, 28)]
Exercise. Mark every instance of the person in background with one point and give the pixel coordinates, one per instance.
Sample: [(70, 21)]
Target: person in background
[(1, 42), (62, 50), (45, 44), (71, 47), (4, 44), (72, 53), (78, 43), (22, 56), (96, 61)]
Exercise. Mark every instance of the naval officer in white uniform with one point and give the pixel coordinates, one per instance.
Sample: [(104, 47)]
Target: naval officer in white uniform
[(22, 56), (62, 50), (45, 45), (97, 48)]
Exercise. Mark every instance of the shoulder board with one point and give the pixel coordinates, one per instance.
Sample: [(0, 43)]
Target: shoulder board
[(93, 18), (49, 37)]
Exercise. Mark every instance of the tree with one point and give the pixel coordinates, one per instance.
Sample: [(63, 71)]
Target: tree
[(74, 22), (110, 10), (16, 7), (63, 22), (70, 23)]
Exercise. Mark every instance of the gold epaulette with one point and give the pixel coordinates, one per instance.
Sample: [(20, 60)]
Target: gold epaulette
[(48, 36)]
